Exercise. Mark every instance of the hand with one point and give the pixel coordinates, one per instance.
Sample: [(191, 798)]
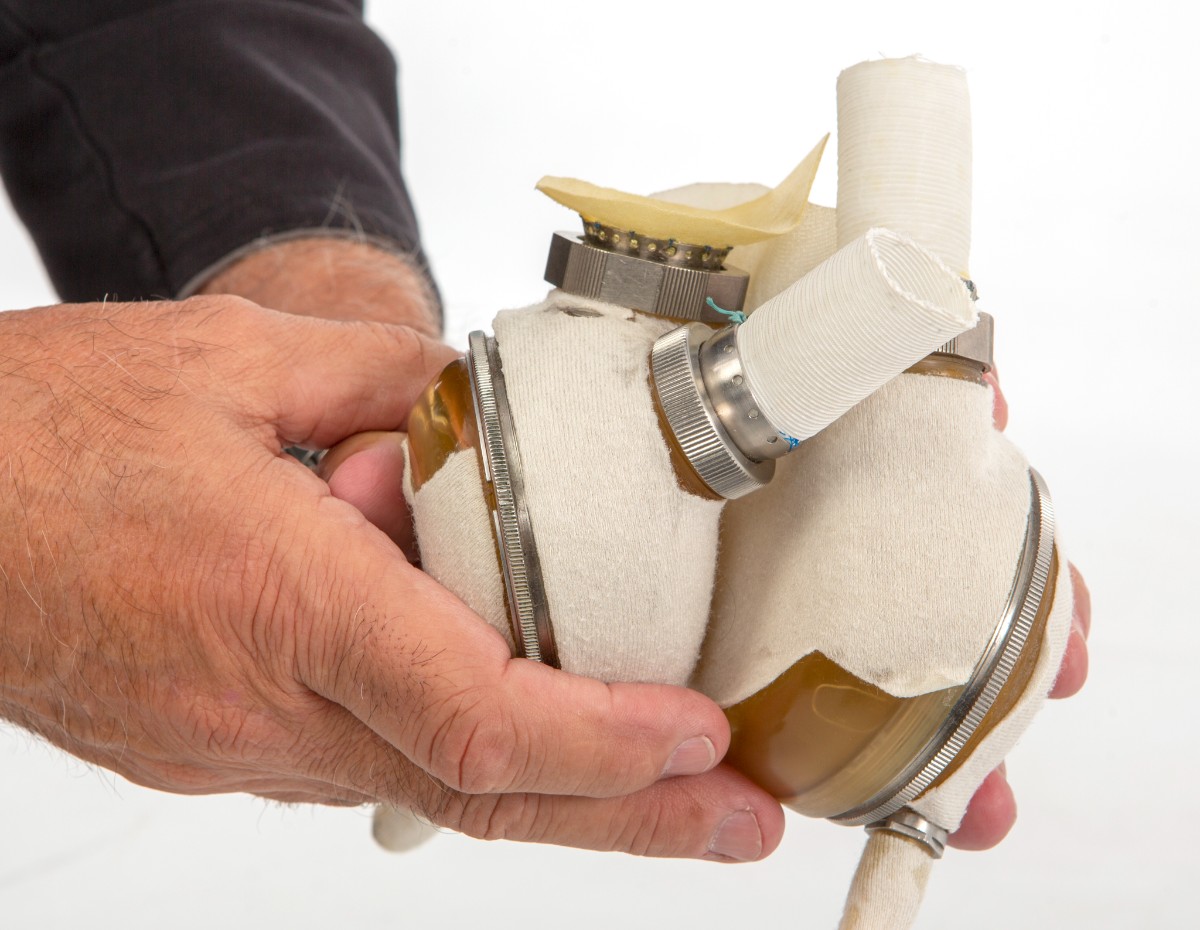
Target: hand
[(194, 610), (993, 809), (344, 279)]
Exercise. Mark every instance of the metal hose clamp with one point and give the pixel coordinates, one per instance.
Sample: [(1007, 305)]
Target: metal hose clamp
[(686, 402), (503, 471), (908, 823), (975, 345)]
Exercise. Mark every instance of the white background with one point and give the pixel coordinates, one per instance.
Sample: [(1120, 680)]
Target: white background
[(1087, 150)]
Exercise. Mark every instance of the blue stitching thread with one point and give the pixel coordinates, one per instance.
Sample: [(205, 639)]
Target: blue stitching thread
[(735, 316)]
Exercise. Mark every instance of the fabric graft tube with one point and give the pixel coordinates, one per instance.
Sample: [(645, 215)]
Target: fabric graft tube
[(904, 154), (867, 313)]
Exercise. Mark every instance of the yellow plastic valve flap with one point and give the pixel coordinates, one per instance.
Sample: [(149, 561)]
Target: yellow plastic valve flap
[(775, 212)]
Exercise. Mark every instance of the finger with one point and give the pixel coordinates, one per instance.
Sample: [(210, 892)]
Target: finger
[(1083, 601), (334, 458), (1072, 673), (990, 815), (367, 471), (355, 377), (431, 678), (336, 378), (999, 404), (720, 816)]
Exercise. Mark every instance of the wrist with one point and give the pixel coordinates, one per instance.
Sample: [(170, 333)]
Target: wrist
[(333, 278)]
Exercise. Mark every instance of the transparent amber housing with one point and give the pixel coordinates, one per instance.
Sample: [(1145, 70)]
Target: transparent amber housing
[(441, 423), (825, 742)]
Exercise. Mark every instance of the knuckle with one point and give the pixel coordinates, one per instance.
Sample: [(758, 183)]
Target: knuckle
[(475, 748)]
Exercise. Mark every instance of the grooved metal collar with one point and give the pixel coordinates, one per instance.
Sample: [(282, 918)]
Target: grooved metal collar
[(990, 674), (684, 400), (907, 822), (626, 280), (975, 345), (521, 568), (725, 382)]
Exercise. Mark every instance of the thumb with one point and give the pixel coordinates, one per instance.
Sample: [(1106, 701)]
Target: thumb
[(434, 680)]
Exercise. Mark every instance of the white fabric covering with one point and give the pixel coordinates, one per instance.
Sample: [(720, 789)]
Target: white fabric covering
[(888, 886), (399, 830), (627, 563), (454, 530), (887, 542), (627, 555)]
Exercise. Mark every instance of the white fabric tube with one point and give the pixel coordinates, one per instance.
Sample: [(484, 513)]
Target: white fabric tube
[(888, 886), (904, 154), (873, 309)]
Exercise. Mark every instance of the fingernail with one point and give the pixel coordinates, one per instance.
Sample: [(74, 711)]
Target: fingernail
[(691, 757), (738, 839)]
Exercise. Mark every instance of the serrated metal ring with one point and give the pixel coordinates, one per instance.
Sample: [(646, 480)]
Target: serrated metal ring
[(976, 345), (990, 674), (679, 384), (908, 823), (521, 568), (729, 393)]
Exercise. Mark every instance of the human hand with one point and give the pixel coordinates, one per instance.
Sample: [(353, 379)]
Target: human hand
[(194, 610), (993, 809)]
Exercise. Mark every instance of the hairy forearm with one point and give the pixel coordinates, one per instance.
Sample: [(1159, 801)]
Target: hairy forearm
[(334, 278)]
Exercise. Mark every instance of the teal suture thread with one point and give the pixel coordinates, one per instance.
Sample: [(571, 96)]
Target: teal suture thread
[(736, 317)]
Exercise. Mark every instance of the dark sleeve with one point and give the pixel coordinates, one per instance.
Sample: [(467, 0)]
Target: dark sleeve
[(141, 142)]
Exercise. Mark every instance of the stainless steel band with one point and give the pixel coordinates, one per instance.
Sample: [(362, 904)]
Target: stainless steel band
[(729, 392), (503, 471), (976, 344), (684, 399), (908, 823), (627, 280), (990, 674)]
